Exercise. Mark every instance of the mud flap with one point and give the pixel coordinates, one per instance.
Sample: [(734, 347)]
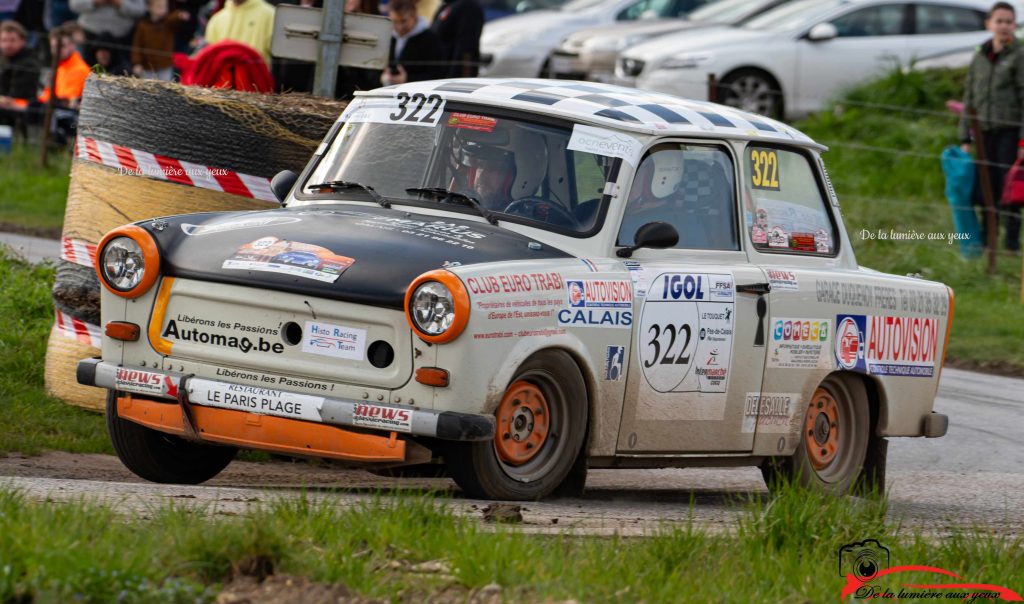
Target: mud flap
[(871, 482)]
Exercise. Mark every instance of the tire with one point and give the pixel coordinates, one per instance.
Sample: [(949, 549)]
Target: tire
[(834, 439), (164, 458), (751, 90), (510, 468)]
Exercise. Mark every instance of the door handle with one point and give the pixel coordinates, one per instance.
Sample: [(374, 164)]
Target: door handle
[(754, 288)]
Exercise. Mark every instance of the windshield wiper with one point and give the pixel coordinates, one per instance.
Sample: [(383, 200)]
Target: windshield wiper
[(340, 185), (447, 194)]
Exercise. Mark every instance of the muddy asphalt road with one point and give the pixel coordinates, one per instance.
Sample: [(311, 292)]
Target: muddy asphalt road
[(972, 476)]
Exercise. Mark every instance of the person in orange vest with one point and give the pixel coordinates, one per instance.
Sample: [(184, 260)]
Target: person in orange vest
[(72, 72)]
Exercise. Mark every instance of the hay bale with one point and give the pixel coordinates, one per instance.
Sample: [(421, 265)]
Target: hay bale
[(76, 291), (62, 356)]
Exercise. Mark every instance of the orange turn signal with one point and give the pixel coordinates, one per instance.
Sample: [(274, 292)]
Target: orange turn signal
[(432, 376), (150, 255), (122, 330), (460, 299)]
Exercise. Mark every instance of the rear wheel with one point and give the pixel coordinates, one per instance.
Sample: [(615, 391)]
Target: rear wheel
[(833, 442), (751, 90), (160, 457), (540, 427)]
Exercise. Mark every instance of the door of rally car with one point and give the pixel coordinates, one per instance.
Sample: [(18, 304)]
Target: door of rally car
[(699, 334)]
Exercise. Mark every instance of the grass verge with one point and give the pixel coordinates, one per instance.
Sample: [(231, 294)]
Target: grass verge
[(783, 551), (30, 420), (885, 139), (34, 197)]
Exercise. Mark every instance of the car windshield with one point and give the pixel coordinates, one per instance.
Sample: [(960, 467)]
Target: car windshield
[(725, 11), (413, 149), (793, 15)]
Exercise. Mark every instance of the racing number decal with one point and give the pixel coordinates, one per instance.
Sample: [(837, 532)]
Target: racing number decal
[(764, 169), (685, 332), (417, 103)]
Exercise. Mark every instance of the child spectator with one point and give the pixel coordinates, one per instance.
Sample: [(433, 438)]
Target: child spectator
[(153, 42)]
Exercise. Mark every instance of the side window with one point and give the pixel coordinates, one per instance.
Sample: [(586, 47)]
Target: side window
[(785, 208), (938, 19), (689, 187), (884, 20), (644, 8)]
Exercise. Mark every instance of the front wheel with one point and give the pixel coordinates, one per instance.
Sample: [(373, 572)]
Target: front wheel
[(833, 442), (751, 90), (160, 457), (540, 427)]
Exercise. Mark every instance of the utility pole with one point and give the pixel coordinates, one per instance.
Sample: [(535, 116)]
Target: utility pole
[(329, 48)]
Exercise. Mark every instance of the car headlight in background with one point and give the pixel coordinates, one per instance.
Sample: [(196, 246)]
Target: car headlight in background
[(437, 306), (127, 261), (686, 61)]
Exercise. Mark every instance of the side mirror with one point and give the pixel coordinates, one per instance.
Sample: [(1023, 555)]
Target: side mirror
[(282, 184), (822, 32), (657, 235)]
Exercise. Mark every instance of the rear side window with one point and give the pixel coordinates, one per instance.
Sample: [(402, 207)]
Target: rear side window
[(786, 209), (938, 19)]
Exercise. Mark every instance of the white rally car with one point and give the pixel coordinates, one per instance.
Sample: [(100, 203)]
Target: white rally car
[(526, 279)]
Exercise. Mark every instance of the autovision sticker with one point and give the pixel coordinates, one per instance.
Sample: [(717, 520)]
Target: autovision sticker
[(273, 255), (598, 303), (686, 332), (887, 345)]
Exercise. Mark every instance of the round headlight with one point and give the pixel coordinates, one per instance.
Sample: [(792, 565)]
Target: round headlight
[(123, 263), (433, 308)]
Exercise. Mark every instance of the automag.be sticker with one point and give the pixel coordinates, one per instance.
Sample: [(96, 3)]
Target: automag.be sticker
[(686, 331), (887, 345), (799, 343), (382, 417), (205, 335), (338, 341), (598, 303), (607, 143), (273, 255), (771, 413), (237, 225)]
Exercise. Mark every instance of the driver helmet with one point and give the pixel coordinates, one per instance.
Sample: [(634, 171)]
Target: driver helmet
[(490, 171)]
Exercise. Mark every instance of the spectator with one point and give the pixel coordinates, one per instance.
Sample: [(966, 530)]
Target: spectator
[(8, 8), (57, 13), (72, 72), (186, 31), (458, 25), (250, 22), (153, 42), (19, 72), (109, 59), (995, 92), (415, 49), (115, 18)]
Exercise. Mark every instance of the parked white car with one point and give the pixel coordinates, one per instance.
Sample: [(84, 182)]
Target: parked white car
[(518, 46), (590, 54), (792, 60)]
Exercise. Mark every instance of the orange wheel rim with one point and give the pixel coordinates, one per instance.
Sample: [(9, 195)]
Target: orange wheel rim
[(821, 429), (524, 422)]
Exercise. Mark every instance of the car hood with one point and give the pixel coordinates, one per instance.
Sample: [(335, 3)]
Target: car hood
[(713, 39), (369, 255)]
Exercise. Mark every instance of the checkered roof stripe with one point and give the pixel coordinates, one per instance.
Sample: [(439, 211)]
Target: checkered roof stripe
[(616, 106)]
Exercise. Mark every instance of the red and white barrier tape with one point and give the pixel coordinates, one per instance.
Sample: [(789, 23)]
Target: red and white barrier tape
[(74, 329), (142, 163), (78, 252)]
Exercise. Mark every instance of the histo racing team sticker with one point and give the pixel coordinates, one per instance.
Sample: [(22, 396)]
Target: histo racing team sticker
[(273, 255), (686, 332)]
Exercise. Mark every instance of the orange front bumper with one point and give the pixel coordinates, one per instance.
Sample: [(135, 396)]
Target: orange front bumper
[(264, 432)]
